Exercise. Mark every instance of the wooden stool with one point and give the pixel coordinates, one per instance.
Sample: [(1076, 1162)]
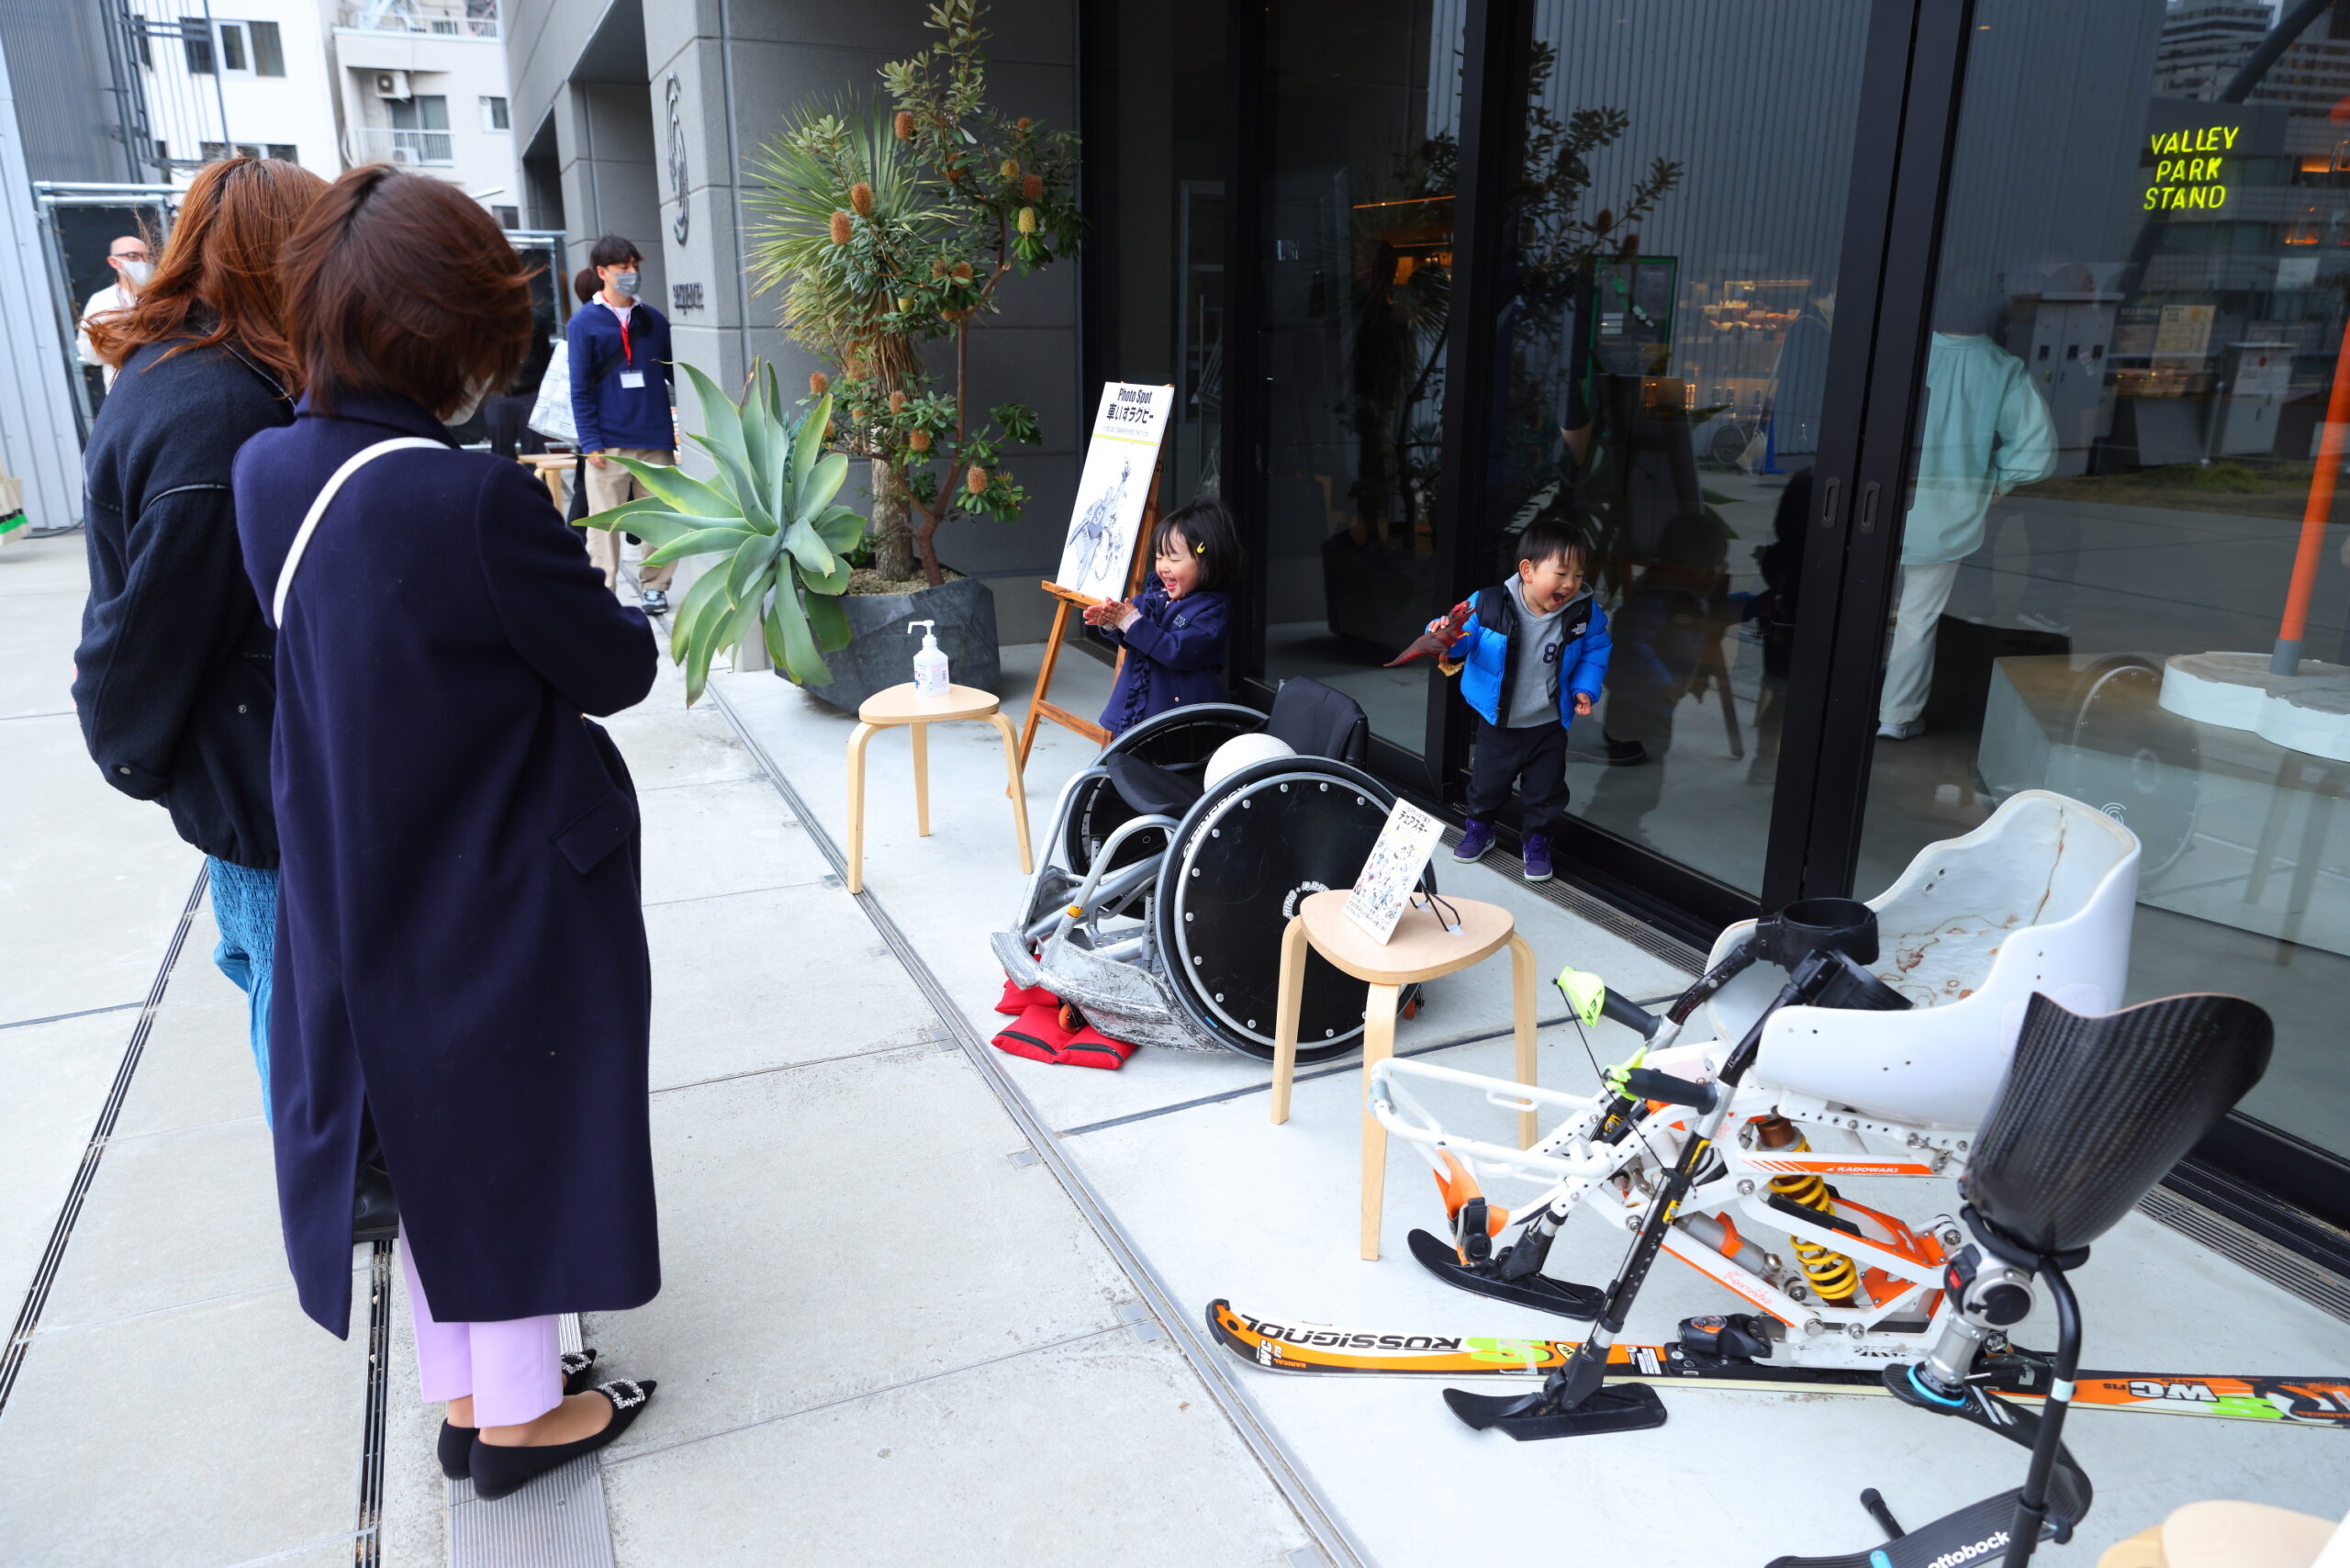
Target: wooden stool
[(1421, 949), (551, 467), (901, 705)]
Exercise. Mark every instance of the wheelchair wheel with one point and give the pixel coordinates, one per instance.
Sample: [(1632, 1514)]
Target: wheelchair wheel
[(1240, 864), (1181, 738)]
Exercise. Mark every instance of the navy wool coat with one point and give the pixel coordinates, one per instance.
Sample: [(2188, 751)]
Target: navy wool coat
[(1174, 654), (460, 949)]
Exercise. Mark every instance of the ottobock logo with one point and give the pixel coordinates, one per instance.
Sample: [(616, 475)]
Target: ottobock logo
[(1297, 893), (1957, 1556)]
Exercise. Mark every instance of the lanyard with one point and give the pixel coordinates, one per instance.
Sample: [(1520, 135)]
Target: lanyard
[(628, 355)]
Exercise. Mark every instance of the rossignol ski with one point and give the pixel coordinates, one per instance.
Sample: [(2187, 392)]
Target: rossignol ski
[(1285, 1345)]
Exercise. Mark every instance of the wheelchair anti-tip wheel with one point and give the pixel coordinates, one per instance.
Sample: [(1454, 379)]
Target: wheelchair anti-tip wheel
[(1241, 863), (1182, 739)]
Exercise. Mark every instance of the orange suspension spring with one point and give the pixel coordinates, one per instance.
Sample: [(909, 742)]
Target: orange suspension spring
[(1832, 1275)]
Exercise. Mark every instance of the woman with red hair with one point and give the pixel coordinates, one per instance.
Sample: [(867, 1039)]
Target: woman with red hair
[(173, 678), (463, 961)]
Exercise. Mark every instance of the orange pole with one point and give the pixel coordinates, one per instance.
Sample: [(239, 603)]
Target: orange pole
[(2287, 659)]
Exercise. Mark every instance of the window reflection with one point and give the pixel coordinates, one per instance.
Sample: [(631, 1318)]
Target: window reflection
[(1672, 281), (2130, 441)]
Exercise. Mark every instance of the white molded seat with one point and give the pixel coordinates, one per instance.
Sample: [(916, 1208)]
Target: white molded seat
[(2039, 898)]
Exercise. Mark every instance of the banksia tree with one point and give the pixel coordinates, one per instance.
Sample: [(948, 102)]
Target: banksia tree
[(893, 227)]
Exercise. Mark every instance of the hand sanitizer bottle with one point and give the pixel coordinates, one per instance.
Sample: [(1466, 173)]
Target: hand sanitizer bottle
[(930, 665)]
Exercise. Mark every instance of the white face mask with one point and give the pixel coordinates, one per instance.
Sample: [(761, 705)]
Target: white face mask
[(136, 274), (626, 283), (476, 395)]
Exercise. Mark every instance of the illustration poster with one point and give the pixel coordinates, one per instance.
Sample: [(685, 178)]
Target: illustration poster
[(1113, 490), (1383, 889)]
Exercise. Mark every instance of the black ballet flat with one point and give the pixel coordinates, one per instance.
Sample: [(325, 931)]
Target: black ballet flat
[(576, 1367), (497, 1472), (457, 1442)]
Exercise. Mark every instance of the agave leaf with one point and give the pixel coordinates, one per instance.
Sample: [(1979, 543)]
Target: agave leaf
[(828, 620), (720, 417), (800, 660), (700, 542), (831, 584), (808, 548), (750, 502), (750, 566), (841, 528), (677, 491), (816, 486), (759, 436), (708, 589), (743, 626), (648, 517), (697, 663), (811, 445)]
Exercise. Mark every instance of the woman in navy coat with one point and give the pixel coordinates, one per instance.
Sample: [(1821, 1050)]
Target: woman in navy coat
[(460, 952)]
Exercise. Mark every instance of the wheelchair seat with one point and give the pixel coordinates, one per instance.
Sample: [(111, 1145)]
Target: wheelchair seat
[(2038, 899), (1312, 719)]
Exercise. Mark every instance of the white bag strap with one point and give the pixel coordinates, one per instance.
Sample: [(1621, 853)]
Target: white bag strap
[(357, 460)]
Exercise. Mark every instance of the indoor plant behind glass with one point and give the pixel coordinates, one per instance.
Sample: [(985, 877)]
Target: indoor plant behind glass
[(767, 515)]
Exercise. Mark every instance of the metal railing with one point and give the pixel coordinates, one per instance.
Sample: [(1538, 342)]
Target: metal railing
[(434, 18), (430, 147)]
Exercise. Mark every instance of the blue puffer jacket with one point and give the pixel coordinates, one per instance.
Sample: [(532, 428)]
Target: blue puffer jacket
[(1489, 656)]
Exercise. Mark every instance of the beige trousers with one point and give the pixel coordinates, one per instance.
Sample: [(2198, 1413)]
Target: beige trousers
[(610, 486)]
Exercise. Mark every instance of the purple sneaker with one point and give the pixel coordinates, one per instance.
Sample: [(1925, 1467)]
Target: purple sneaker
[(1537, 857), (1475, 839)]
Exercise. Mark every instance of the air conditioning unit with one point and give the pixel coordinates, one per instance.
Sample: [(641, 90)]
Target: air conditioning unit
[(402, 155), (392, 84)]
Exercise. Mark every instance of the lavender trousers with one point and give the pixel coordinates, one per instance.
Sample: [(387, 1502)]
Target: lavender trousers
[(512, 1369)]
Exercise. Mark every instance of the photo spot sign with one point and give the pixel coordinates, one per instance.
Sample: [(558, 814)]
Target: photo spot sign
[(1112, 493)]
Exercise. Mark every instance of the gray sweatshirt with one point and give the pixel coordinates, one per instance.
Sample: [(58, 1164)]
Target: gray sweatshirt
[(1538, 640)]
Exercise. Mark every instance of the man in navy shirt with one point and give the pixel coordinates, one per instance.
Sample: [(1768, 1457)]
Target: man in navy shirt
[(620, 399)]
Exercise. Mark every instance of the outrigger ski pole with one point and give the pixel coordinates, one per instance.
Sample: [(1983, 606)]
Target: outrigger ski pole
[(1825, 943)]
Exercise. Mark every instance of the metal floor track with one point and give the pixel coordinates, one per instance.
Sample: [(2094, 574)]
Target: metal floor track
[(12, 1359), (1182, 1326)]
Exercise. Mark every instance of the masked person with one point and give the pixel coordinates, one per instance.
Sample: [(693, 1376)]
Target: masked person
[(463, 964), (126, 259), (619, 400)]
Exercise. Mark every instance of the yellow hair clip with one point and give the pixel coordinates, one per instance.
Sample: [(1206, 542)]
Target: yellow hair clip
[(1199, 549)]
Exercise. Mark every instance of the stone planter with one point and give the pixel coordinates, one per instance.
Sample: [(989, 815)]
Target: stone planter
[(880, 651)]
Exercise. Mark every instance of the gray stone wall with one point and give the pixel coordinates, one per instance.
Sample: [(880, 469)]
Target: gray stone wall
[(740, 66)]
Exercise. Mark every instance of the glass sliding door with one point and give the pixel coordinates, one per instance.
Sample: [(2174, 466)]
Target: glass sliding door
[(1355, 187), (1157, 145), (1674, 217), (2128, 440)]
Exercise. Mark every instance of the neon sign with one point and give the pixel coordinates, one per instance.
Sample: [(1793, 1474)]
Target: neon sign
[(2189, 168)]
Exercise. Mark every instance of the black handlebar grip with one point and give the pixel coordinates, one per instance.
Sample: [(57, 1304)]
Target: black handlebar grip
[(1641, 1022)]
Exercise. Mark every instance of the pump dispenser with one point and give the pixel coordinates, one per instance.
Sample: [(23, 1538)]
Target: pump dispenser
[(930, 665)]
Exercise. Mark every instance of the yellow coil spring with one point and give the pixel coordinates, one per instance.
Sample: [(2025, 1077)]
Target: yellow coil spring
[(1831, 1274)]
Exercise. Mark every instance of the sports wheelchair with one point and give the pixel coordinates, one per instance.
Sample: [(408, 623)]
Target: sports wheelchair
[(1170, 875)]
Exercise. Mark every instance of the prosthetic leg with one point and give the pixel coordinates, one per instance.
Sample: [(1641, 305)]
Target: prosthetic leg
[(2093, 1112)]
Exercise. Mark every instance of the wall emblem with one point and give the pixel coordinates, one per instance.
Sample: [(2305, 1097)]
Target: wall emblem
[(677, 160)]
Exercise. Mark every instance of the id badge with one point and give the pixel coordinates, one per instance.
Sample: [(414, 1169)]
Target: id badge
[(632, 379)]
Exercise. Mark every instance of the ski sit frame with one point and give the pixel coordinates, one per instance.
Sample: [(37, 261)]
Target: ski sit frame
[(1272, 1345)]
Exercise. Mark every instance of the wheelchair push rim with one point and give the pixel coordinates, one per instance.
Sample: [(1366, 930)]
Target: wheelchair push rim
[(1240, 864)]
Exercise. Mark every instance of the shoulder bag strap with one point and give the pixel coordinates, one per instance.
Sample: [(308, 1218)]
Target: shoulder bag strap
[(357, 460)]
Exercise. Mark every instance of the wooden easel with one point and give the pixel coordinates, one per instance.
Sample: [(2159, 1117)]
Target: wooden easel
[(1038, 708)]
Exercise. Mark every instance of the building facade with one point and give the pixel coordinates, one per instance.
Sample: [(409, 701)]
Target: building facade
[(1930, 374)]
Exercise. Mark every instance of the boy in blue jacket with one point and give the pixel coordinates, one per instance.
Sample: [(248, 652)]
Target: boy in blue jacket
[(620, 399), (1532, 657)]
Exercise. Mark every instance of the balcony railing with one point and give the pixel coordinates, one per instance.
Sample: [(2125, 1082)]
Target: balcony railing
[(431, 18), (429, 148)]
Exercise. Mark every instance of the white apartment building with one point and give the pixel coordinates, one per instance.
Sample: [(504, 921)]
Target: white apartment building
[(331, 84)]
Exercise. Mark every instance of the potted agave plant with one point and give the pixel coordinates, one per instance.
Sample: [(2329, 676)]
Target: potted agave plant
[(767, 515)]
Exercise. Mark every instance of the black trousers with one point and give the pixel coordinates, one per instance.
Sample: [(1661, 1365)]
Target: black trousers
[(1535, 760)]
